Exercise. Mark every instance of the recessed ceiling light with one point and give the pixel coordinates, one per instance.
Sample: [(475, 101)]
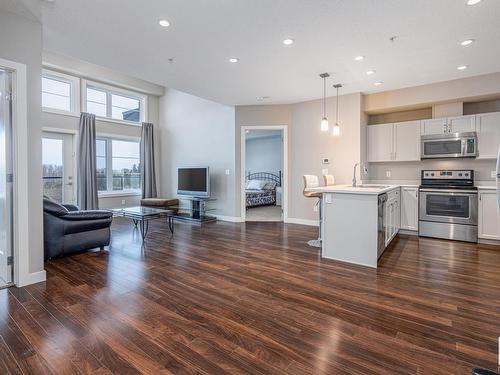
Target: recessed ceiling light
[(164, 23), (359, 58), (462, 67), (378, 83), (233, 60), (473, 2), (370, 72), (467, 42), (288, 41)]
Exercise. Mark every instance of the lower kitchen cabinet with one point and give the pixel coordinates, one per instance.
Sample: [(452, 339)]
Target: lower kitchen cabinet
[(409, 208), (489, 215), (392, 215)]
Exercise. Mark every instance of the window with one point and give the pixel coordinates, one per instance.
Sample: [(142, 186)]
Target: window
[(114, 103), (59, 92), (122, 158), (52, 175)]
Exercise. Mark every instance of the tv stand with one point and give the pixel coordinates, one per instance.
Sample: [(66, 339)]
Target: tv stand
[(196, 212)]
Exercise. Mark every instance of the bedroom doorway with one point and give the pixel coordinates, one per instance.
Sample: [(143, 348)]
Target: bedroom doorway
[(263, 167)]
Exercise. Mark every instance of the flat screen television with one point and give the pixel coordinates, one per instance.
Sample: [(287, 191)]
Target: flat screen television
[(193, 181)]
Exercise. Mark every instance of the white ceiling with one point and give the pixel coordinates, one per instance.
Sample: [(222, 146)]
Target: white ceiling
[(125, 35)]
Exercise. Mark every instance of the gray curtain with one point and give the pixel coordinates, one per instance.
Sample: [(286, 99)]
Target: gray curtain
[(86, 164), (148, 175)]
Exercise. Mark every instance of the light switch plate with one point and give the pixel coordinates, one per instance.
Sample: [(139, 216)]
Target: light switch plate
[(324, 171), (328, 198), (228, 172), (387, 174), (315, 208), (493, 174)]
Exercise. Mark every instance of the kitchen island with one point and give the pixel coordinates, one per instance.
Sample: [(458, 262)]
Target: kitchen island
[(358, 222)]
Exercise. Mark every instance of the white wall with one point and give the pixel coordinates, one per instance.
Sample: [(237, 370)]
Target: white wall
[(308, 145), (264, 154), (198, 132), (21, 41)]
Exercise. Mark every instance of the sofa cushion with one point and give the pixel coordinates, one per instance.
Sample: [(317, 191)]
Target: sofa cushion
[(52, 207)]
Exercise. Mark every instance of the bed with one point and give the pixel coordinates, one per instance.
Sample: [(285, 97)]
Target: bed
[(261, 189)]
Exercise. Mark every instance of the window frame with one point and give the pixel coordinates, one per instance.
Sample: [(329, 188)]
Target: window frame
[(74, 91), (110, 90), (109, 166)]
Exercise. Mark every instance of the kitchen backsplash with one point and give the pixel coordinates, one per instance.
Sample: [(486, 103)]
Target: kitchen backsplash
[(411, 170)]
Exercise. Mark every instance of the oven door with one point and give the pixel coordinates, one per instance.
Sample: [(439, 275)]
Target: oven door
[(448, 206)]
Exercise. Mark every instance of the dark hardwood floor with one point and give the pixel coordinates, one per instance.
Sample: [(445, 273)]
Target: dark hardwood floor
[(254, 299)]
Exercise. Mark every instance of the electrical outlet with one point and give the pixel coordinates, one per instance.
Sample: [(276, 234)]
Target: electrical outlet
[(324, 171), (123, 202), (325, 161), (388, 174), (228, 172), (493, 174)]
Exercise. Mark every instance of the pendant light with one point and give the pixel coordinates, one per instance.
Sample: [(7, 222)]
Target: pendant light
[(324, 120), (336, 126)]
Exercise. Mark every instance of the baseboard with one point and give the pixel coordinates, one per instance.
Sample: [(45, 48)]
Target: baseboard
[(33, 278), (231, 219), (408, 232), (488, 241), (293, 220)]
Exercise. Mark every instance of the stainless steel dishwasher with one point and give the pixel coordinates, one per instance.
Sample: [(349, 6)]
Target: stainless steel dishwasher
[(382, 199)]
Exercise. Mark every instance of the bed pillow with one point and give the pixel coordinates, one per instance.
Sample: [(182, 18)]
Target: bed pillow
[(255, 184), (270, 186)]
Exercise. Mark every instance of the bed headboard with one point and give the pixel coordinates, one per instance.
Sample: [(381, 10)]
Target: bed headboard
[(265, 176)]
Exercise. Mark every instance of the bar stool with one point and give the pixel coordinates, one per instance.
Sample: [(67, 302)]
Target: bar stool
[(329, 179), (311, 181)]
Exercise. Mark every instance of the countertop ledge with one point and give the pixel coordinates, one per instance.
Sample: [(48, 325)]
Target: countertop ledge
[(486, 187), (348, 189)]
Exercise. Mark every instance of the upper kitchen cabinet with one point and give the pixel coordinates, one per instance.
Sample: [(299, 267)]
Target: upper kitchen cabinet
[(433, 126), (380, 142), (460, 124), (407, 141), (394, 142), (488, 134)]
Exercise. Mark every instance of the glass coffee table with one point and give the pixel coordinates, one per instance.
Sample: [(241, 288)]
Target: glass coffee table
[(142, 216)]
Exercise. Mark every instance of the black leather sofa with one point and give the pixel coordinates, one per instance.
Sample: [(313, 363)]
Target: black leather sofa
[(67, 230)]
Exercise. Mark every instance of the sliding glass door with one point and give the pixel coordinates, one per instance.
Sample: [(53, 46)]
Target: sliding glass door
[(58, 166), (6, 178)]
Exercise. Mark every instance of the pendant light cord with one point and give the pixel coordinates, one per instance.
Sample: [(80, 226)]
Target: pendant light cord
[(337, 111), (324, 97)]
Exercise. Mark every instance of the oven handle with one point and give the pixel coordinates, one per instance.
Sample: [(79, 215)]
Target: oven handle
[(447, 191)]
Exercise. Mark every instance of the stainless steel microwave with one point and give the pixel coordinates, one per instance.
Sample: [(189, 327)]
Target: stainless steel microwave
[(454, 145)]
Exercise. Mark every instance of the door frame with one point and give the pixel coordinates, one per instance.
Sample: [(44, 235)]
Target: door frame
[(74, 134), (284, 172), (20, 198)]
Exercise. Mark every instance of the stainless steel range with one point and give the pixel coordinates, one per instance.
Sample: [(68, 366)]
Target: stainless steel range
[(448, 205)]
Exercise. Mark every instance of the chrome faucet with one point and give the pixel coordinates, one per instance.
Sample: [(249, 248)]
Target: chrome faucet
[(365, 170)]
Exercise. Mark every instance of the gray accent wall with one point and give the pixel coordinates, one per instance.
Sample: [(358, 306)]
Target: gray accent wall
[(264, 154), (198, 132)]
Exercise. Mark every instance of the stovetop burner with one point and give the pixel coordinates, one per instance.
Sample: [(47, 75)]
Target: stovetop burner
[(448, 179)]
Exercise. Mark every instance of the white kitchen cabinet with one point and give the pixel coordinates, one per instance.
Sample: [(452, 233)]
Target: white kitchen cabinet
[(380, 142), (433, 126), (394, 142), (409, 208), (406, 141), (392, 215), (488, 134), (459, 124), (489, 215)]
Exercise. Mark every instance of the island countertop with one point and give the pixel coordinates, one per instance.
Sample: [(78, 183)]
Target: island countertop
[(368, 189)]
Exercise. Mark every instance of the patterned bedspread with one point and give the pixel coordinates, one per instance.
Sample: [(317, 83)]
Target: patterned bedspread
[(260, 197)]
